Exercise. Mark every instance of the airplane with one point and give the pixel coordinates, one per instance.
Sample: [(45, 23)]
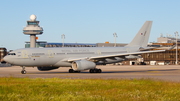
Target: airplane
[(80, 58)]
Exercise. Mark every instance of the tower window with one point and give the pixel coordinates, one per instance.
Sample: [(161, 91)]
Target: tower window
[(32, 23)]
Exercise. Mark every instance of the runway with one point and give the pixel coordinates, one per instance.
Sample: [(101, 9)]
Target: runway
[(167, 72)]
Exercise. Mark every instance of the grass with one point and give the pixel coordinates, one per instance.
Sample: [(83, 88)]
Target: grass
[(56, 89)]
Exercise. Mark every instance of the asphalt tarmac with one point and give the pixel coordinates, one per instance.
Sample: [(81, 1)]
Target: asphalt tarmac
[(165, 73)]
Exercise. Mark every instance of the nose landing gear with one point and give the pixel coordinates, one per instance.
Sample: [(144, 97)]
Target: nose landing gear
[(23, 70)]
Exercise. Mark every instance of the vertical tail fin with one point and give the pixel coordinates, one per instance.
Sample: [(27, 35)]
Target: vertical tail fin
[(142, 37)]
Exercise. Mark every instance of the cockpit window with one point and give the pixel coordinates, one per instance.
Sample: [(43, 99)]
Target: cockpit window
[(12, 54)]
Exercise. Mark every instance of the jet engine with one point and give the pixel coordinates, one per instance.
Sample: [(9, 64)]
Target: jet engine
[(83, 65), (46, 68)]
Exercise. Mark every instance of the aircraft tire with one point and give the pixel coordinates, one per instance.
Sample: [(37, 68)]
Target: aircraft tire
[(71, 71), (94, 70), (23, 72), (77, 71), (91, 71), (99, 70)]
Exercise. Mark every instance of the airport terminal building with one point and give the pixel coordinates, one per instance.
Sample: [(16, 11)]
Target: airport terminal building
[(160, 58), (46, 44), (163, 58)]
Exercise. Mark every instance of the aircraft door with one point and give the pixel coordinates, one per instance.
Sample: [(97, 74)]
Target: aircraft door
[(98, 52), (128, 50), (50, 60), (24, 54), (51, 54), (26, 58)]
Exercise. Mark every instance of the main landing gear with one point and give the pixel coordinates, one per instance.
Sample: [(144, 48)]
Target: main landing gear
[(95, 71), (72, 71), (23, 70), (90, 71)]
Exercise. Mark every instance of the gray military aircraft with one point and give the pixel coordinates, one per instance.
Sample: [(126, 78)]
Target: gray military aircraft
[(79, 58)]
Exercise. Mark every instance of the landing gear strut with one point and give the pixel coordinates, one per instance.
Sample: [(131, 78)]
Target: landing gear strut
[(72, 71), (95, 71), (23, 70)]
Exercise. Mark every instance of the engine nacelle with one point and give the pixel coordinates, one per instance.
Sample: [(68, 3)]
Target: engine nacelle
[(83, 65), (46, 68)]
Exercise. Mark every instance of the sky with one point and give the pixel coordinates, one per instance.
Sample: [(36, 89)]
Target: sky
[(86, 21)]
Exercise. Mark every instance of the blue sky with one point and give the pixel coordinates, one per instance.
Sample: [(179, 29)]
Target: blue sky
[(86, 21)]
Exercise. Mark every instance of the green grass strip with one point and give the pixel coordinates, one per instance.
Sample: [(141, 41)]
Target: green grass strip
[(56, 89)]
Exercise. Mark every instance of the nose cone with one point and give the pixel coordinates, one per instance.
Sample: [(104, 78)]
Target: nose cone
[(5, 58), (9, 59)]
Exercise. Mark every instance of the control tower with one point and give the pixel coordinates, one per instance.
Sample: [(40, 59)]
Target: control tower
[(33, 29)]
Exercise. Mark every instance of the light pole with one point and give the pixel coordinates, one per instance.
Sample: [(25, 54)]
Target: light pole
[(115, 35), (176, 33), (63, 37)]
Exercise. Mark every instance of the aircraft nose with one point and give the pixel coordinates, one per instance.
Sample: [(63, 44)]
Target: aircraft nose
[(6, 58)]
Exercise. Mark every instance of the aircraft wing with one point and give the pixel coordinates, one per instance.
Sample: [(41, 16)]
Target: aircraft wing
[(112, 56), (75, 59), (124, 54), (149, 48)]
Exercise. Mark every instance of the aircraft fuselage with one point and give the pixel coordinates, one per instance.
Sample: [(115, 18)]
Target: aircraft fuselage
[(57, 56)]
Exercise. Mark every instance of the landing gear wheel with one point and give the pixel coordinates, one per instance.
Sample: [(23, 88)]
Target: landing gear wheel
[(95, 71), (23, 72), (91, 71), (77, 71), (71, 71), (99, 71)]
